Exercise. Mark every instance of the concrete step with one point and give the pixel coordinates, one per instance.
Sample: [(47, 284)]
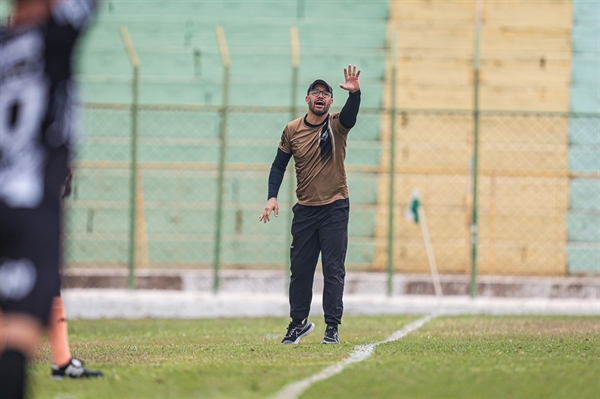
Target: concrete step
[(357, 283)]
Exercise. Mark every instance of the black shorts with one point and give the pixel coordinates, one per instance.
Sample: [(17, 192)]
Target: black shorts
[(29, 259)]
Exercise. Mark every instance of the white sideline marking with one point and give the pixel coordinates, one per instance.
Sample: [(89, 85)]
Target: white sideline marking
[(360, 353)]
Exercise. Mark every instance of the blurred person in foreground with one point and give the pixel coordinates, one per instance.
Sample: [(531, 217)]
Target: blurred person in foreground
[(37, 132), (317, 141)]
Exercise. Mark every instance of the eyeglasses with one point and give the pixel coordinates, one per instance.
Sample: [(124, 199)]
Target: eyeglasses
[(316, 92)]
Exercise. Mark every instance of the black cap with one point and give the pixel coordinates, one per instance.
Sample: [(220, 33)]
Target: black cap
[(320, 82)]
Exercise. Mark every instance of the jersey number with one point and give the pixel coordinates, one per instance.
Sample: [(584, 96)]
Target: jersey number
[(22, 108)]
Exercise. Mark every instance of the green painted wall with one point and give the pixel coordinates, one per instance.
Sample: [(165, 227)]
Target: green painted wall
[(583, 218)]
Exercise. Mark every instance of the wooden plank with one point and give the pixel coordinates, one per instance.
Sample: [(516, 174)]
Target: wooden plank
[(496, 97), (516, 129), (443, 155), (501, 258), (524, 98), (518, 226), (526, 38), (554, 13), (492, 156), (531, 71), (524, 129), (460, 11), (510, 258), (492, 38), (443, 193), (536, 194), (433, 128), (456, 97), (428, 71), (546, 228), (524, 157), (434, 37)]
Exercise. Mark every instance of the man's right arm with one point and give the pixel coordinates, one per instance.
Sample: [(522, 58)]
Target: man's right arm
[(277, 171), (275, 178)]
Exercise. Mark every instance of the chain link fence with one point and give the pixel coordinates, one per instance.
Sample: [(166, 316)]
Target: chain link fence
[(538, 191)]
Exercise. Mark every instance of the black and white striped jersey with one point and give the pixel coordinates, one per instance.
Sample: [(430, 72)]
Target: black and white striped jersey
[(37, 100)]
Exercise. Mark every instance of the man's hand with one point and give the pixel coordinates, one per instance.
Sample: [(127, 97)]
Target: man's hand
[(351, 75), (272, 205)]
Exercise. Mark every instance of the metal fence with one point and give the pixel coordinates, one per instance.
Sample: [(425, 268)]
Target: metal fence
[(538, 191)]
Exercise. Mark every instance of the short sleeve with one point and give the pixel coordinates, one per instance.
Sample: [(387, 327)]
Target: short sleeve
[(284, 143), (337, 127)]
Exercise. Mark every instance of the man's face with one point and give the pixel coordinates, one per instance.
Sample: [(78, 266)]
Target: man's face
[(319, 100)]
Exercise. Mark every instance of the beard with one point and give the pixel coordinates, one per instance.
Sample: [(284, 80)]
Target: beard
[(311, 107)]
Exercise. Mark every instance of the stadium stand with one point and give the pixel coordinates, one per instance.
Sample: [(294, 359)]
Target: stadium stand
[(538, 186), (181, 78), (523, 165)]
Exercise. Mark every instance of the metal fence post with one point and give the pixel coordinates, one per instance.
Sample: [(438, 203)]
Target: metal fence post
[(295, 47), (390, 265), (134, 134), (222, 154), (474, 171)]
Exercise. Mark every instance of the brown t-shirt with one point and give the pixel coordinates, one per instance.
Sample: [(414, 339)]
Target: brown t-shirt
[(319, 164)]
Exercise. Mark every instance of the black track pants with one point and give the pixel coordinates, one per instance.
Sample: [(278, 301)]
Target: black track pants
[(319, 230)]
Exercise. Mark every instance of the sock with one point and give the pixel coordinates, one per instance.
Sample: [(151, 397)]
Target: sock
[(58, 333), (298, 321), (332, 325), (12, 370)]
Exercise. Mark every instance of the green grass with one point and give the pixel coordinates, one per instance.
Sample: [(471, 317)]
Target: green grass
[(449, 357)]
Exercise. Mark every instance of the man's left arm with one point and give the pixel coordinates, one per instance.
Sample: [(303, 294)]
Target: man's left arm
[(352, 85), (349, 112)]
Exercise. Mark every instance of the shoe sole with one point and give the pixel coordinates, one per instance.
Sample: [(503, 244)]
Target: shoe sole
[(59, 378), (329, 343), (304, 334)]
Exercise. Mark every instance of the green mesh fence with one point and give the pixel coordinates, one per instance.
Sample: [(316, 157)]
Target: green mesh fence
[(538, 191)]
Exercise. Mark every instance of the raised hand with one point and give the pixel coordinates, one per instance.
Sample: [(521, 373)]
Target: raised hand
[(351, 76)]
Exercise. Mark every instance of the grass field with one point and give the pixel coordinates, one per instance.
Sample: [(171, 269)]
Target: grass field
[(448, 357)]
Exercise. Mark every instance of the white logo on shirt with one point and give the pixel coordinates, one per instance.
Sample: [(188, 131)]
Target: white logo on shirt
[(17, 278)]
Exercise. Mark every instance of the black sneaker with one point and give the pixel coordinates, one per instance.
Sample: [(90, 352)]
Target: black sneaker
[(297, 331), (331, 336), (74, 369)]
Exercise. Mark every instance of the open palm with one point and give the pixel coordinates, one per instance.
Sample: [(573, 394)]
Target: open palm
[(351, 75)]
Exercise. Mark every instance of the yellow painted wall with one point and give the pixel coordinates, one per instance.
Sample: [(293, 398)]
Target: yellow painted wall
[(523, 186)]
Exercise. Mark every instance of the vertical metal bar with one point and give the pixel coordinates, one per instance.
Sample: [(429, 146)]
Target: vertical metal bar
[(134, 150), (134, 179), (474, 162), (492, 223), (392, 167), (222, 154), (295, 47)]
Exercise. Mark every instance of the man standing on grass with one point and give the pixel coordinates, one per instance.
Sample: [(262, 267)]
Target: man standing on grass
[(317, 141)]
